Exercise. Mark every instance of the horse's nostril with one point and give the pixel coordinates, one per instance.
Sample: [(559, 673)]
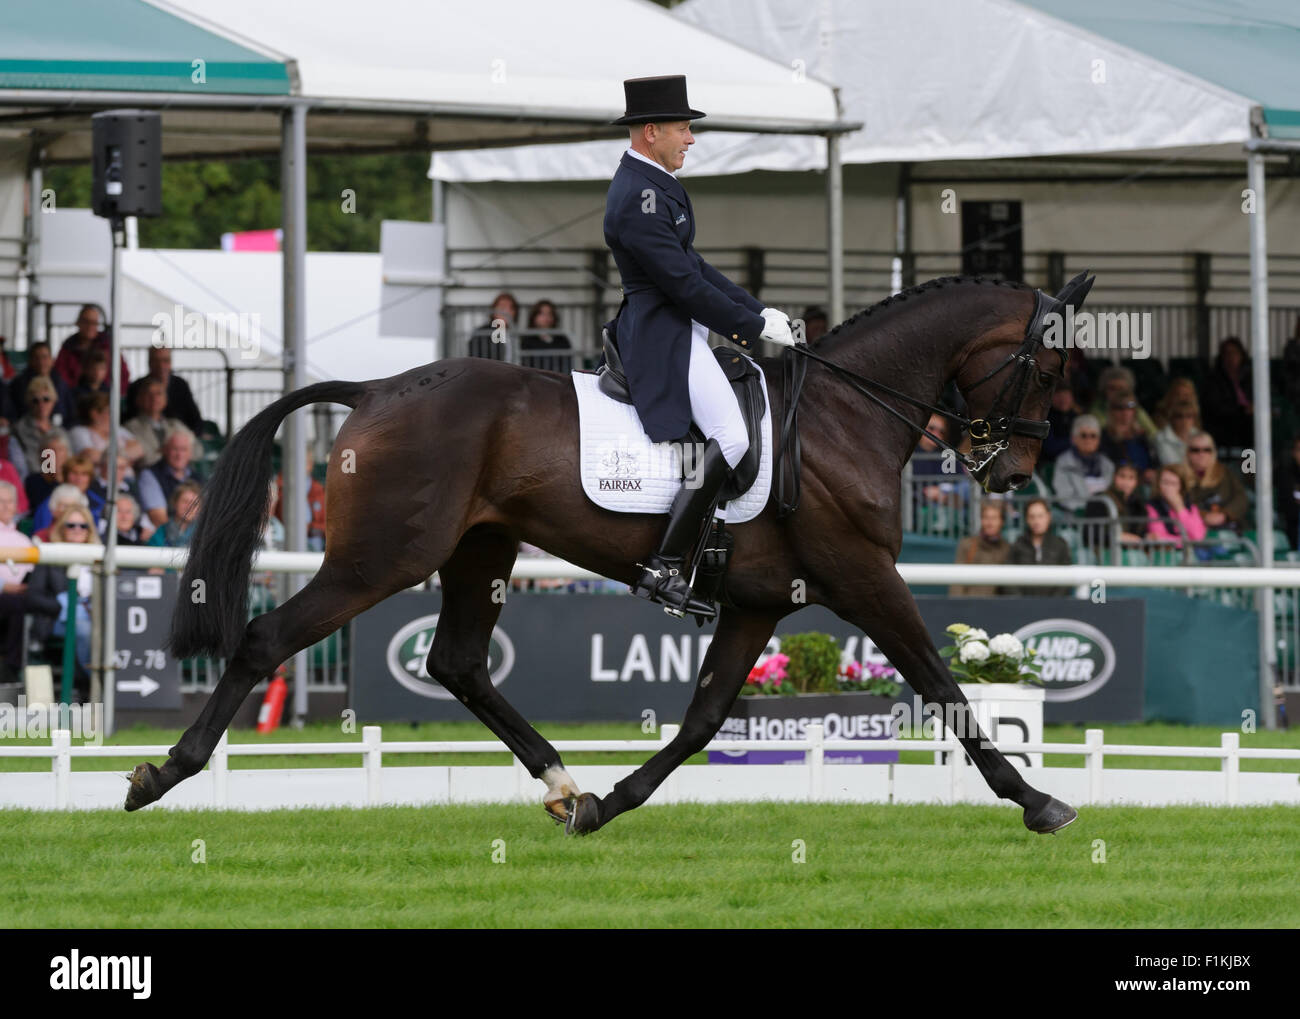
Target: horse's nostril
[(1018, 481)]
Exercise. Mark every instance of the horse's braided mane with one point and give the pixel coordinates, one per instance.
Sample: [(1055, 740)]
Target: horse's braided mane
[(920, 288)]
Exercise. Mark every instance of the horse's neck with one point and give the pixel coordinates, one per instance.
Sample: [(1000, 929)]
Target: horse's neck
[(911, 356)]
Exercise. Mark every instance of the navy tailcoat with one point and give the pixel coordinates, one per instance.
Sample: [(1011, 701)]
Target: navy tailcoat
[(650, 228)]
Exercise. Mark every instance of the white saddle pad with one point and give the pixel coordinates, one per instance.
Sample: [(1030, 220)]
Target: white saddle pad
[(622, 470)]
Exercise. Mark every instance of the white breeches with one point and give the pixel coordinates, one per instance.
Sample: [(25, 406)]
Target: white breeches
[(713, 404)]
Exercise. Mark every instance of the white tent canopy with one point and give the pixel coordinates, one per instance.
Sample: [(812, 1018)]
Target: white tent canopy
[(930, 80), (515, 60)]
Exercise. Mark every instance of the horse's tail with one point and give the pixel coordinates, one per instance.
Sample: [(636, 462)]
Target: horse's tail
[(212, 609)]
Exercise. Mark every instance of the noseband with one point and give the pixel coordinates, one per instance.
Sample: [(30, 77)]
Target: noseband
[(989, 435)]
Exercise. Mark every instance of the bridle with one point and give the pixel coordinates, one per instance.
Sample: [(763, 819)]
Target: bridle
[(990, 435)]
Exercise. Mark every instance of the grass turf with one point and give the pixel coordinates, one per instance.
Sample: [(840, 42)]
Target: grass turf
[(1158, 733), (683, 866)]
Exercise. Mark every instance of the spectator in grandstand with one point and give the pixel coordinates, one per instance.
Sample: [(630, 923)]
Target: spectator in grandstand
[(1083, 470), (1122, 439), (173, 468), (92, 435), (491, 340), (1184, 421), (78, 474), (40, 363), (1124, 497), (315, 506), (89, 336), (47, 587), (1170, 512), (1117, 384), (1229, 407), (1291, 369), (986, 547), (1039, 545), (1287, 486), (37, 427), (1212, 487), (815, 323), (180, 399), (98, 491), (46, 473), (130, 530), (94, 379), (182, 509), (1181, 390), (936, 492), (13, 583), (542, 336), (10, 472), (152, 425), (7, 371), (1065, 408), (62, 499)]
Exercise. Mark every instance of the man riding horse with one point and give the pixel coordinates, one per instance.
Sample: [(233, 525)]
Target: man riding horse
[(671, 299)]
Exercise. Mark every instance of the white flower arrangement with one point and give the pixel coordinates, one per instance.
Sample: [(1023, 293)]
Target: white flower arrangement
[(974, 657)]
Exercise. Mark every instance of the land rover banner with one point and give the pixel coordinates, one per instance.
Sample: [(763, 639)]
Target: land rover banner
[(573, 657)]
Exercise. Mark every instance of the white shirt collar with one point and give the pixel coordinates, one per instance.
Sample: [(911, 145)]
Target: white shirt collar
[(646, 159)]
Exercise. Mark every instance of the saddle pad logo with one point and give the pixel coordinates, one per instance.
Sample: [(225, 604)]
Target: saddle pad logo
[(620, 471)]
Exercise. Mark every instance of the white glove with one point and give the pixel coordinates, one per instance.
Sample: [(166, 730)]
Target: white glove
[(777, 327)]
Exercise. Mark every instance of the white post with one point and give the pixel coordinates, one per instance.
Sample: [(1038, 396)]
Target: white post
[(62, 742), (220, 766), (672, 787), (816, 763), (521, 781), (1231, 743), (956, 770), (1095, 762), (372, 736)]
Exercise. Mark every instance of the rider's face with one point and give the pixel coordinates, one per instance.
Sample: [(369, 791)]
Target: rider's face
[(669, 142)]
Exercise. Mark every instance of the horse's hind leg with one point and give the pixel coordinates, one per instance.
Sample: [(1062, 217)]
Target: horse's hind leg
[(327, 602), (474, 581)]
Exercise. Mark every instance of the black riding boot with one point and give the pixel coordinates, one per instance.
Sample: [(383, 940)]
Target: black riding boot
[(664, 580)]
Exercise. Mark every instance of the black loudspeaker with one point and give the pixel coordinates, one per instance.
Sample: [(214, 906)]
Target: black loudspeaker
[(127, 163)]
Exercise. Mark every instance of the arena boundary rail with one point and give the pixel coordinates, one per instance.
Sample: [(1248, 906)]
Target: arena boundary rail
[(220, 787)]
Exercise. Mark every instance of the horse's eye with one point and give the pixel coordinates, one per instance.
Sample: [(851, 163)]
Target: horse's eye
[(1046, 380)]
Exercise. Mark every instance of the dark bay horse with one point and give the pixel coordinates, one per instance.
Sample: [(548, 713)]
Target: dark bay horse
[(448, 467)]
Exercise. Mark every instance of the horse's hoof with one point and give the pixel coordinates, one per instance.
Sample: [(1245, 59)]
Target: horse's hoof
[(146, 786), (1051, 816), (584, 815)]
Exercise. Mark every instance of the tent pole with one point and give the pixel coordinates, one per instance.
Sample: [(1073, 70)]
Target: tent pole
[(1263, 436), (293, 466), (835, 228)]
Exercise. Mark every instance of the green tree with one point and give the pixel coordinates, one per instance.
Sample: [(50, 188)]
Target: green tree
[(204, 199)]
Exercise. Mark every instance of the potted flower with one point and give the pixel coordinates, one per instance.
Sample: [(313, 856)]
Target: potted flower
[(807, 680), (999, 676)]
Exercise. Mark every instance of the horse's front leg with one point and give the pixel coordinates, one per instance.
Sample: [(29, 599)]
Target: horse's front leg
[(879, 601), (738, 641)]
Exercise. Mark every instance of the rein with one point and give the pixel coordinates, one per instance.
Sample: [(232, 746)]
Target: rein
[(990, 436)]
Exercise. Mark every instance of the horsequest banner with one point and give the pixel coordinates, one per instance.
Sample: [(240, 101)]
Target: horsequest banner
[(611, 657)]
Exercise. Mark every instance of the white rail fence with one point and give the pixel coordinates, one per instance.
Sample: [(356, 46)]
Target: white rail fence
[(816, 780)]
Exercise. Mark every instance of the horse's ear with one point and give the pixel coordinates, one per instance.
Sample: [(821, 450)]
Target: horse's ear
[(1073, 293)]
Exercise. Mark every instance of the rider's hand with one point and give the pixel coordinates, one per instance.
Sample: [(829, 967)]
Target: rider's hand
[(777, 328)]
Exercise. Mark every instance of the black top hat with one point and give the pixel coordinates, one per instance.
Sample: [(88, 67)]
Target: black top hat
[(654, 99)]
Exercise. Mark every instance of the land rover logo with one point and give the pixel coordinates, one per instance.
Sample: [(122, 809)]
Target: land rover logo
[(409, 649), (1076, 659)]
